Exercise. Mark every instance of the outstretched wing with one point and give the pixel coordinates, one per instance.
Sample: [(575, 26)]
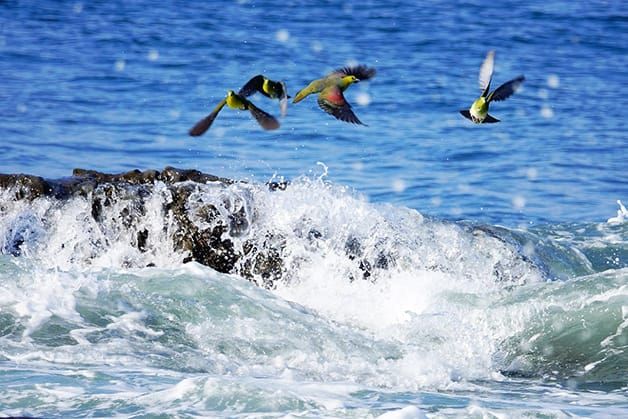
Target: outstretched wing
[(252, 86), (361, 72), (490, 119), (204, 124), (466, 114), (332, 101), (266, 120), (486, 72), (505, 90)]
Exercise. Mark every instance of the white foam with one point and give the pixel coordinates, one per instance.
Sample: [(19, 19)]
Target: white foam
[(622, 215), (409, 412)]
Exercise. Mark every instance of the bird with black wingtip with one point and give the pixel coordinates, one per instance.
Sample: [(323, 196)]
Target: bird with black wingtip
[(269, 88), (239, 102), (330, 90), (478, 112)]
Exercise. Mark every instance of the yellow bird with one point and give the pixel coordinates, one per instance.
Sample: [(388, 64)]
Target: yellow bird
[(478, 112), (330, 91), (235, 101)]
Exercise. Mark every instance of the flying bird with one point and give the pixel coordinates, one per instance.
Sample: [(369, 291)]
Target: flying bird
[(269, 88), (330, 91), (235, 101), (478, 112)]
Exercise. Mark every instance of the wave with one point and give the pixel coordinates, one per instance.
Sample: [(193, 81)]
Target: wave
[(365, 294)]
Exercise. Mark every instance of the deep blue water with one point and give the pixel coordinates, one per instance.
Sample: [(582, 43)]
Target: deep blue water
[(116, 85), (471, 320)]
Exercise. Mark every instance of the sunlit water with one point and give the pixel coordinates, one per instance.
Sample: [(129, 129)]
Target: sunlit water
[(471, 319)]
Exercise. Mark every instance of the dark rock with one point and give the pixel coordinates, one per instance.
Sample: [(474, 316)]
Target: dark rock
[(211, 245)]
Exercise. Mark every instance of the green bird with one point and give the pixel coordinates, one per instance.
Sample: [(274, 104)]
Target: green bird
[(330, 91), (235, 101), (269, 88), (478, 112)]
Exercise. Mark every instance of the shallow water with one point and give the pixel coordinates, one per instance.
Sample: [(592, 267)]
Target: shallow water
[(498, 289)]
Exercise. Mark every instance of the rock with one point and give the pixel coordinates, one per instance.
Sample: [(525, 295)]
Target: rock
[(209, 245)]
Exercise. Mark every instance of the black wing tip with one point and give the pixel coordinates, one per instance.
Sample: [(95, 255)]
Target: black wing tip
[(199, 128), (466, 114)]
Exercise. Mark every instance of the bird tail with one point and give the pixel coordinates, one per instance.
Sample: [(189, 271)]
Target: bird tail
[(301, 95)]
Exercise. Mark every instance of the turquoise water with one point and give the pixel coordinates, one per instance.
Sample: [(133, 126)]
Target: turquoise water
[(509, 289)]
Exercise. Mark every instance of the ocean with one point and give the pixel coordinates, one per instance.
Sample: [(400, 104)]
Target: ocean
[(429, 267)]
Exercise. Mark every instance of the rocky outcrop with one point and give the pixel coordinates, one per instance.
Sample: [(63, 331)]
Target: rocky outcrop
[(208, 242)]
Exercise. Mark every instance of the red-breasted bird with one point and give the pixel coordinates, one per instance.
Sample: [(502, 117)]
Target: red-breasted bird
[(478, 112), (235, 101), (330, 91), (269, 88)]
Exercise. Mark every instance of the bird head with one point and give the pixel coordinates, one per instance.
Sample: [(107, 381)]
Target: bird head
[(230, 93), (349, 80)]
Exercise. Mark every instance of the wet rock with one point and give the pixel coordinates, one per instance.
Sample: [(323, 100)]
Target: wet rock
[(209, 242)]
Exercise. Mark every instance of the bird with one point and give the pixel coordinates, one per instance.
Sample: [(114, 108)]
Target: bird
[(269, 88), (235, 101), (330, 91), (478, 112)]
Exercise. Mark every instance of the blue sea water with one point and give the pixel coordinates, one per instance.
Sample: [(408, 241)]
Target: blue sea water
[(116, 85)]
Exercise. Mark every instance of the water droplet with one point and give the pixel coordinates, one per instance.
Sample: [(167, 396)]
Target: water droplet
[(363, 99), (532, 173), (553, 81), (547, 112), (316, 46), (357, 166), (282, 35), (153, 55), (519, 202), (543, 94), (398, 185), (120, 64)]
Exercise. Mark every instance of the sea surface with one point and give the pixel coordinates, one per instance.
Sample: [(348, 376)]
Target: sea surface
[(508, 295)]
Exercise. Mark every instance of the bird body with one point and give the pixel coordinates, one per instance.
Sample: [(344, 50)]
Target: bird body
[(269, 88), (238, 102), (478, 112), (330, 91)]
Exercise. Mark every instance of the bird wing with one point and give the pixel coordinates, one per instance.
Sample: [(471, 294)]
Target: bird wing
[(252, 86), (266, 120), (505, 90), (361, 72), (283, 99), (490, 119), (466, 114), (204, 124), (486, 72), (332, 101)]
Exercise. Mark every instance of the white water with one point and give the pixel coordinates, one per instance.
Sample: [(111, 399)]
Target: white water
[(85, 329)]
